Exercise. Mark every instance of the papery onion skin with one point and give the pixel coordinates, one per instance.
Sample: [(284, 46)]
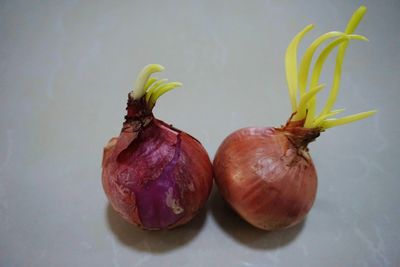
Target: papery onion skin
[(270, 181), (155, 176)]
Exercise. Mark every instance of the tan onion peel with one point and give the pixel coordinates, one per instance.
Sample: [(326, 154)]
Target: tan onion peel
[(266, 174)]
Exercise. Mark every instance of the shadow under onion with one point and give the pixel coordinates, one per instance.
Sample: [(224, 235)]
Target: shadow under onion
[(246, 234), (154, 242)]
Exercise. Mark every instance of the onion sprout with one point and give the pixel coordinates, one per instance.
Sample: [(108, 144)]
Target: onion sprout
[(149, 87), (304, 102)]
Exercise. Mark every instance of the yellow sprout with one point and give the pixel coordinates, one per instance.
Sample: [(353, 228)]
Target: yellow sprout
[(141, 81), (297, 78), (149, 87)]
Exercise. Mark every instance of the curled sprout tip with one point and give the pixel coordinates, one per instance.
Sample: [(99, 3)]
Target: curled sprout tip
[(144, 75), (304, 101), (155, 86), (162, 90), (149, 87)]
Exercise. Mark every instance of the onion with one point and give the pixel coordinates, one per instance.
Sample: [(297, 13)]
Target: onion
[(266, 174), (154, 175)]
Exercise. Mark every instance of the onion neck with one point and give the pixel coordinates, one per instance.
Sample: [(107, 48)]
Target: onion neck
[(299, 135), (142, 99), (138, 111), (140, 115)]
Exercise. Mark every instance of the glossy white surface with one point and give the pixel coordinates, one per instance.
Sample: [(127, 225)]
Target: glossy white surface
[(65, 72)]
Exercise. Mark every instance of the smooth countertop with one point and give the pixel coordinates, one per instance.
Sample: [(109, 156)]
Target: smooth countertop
[(66, 68)]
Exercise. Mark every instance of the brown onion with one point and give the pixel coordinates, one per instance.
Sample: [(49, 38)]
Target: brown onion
[(266, 174), (154, 175), (266, 177)]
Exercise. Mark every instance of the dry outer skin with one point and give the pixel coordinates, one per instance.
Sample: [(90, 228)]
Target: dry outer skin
[(155, 176), (266, 179)]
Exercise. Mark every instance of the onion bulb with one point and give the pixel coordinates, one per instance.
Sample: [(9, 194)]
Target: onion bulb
[(154, 175), (266, 174)]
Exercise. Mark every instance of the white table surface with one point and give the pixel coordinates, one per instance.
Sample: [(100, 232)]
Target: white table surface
[(66, 68)]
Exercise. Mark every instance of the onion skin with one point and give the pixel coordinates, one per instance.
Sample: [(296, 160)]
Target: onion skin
[(155, 176), (266, 176)]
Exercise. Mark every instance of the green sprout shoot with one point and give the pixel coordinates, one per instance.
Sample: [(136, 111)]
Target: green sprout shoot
[(149, 87), (304, 101)]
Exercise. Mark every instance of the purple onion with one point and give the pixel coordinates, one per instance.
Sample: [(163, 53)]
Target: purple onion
[(154, 175)]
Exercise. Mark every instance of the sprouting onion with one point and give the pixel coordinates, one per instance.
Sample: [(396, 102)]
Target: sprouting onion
[(154, 175), (266, 174)]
